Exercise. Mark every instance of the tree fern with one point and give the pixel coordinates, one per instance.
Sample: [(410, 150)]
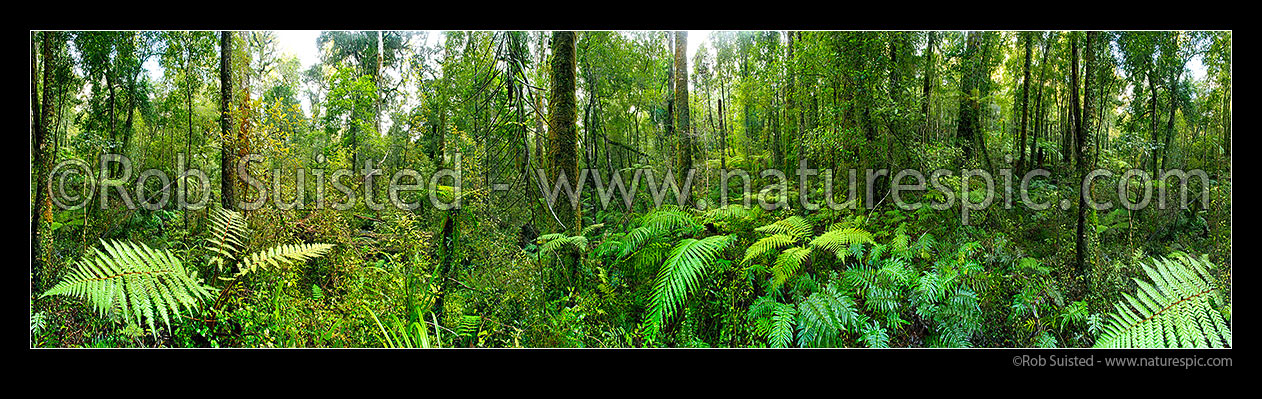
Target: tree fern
[(781, 334), (576, 244), (282, 255), (144, 283), (787, 265), (655, 226), (680, 275), (767, 245), (227, 236), (795, 226), (839, 241), (824, 315), (1178, 309)]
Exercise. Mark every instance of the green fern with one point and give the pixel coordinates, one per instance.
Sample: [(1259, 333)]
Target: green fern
[(1179, 309), (781, 334), (680, 275), (587, 231), (282, 255), (556, 243), (795, 226), (875, 336), (840, 240), (227, 240), (787, 265), (227, 236), (826, 314), (767, 245), (144, 283)]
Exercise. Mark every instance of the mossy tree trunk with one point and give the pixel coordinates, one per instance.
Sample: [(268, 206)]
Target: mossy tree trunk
[(562, 105)]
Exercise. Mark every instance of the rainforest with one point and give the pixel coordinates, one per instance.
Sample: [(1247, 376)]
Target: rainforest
[(630, 189)]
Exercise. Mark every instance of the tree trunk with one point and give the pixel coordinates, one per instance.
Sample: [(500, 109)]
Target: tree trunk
[(970, 105), (227, 169), (1025, 104), (682, 128), (562, 106), (1040, 127), (927, 93), (43, 212), (1083, 125), (1174, 100), (1152, 116)]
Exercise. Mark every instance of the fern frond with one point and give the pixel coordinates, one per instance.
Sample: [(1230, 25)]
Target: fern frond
[(839, 241), (543, 239), (578, 244), (795, 226), (680, 275), (787, 265), (227, 236), (1176, 310), (670, 219), (767, 245), (591, 229), (731, 212), (144, 283), (781, 334), (875, 336), (280, 255), (655, 226), (824, 315)]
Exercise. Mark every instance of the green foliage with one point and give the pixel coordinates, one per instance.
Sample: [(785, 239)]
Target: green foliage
[(282, 255), (1179, 308), (825, 315), (839, 241), (687, 264), (794, 226), (768, 245), (409, 335), (227, 236), (787, 236), (873, 275), (137, 281)]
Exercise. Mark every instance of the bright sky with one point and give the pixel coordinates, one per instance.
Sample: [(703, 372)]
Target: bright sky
[(299, 43)]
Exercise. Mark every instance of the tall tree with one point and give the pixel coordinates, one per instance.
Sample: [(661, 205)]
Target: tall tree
[(227, 155), (1039, 127), (562, 108), (969, 126), (682, 128), (930, 74), (42, 111), (1025, 101), (1083, 137)]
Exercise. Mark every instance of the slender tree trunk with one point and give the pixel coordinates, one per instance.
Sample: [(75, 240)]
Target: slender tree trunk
[(1025, 103), (927, 93), (682, 128), (1040, 126), (722, 140), (227, 167), (1083, 126), (1174, 101), (188, 139), (1152, 116)]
